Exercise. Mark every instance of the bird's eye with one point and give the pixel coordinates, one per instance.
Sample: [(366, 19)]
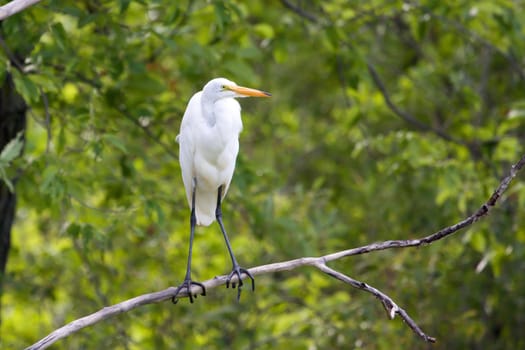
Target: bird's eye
[(223, 87)]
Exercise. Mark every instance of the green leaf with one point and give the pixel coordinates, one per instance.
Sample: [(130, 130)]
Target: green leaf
[(26, 87), (13, 149), (60, 36), (143, 84), (155, 212), (87, 233), (6, 179), (123, 4), (48, 177), (240, 69), (46, 82), (264, 30), (116, 142), (73, 230), (86, 19), (478, 241)]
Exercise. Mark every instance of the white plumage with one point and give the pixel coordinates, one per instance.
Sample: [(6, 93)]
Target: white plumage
[(209, 143), (208, 148)]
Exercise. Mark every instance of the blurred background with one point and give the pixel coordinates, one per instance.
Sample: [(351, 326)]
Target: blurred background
[(389, 120)]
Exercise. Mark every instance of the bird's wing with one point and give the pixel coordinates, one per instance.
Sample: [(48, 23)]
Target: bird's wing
[(232, 149), (230, 123), (187, 143)]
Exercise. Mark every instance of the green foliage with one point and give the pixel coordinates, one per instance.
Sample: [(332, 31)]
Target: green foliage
[(7, 155), (325, 165)]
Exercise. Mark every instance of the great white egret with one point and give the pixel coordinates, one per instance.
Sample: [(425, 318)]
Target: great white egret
[(208, 148)]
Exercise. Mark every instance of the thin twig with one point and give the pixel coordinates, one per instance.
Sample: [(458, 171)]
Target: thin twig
[(342, 81), (47, 121), (12, 57), (407, 117), (319, 262), (299, 11), (149, 134), (390, 306)]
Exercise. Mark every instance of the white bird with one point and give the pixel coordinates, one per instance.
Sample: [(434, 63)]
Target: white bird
[(208, 148)]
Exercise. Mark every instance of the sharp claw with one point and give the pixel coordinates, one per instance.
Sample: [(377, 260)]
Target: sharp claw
[(238, 271), (253, 283), (187, 284), (239, 294)]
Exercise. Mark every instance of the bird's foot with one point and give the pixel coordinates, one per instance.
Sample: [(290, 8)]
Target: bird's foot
[(238, 271), (187, 284)]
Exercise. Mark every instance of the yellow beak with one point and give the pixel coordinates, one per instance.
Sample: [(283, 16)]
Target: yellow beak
[(248, 92)]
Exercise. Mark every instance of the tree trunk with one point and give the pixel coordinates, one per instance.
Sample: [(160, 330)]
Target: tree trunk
[(12, 121)]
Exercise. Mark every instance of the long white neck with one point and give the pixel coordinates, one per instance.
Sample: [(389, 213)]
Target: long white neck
[(207, 110)]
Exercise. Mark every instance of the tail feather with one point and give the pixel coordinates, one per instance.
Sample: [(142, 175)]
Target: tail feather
[(205, 204)]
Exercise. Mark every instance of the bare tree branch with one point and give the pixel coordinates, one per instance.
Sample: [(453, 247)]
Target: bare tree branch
[(15, 6), (319, 262), (390, 306), (156, 297)]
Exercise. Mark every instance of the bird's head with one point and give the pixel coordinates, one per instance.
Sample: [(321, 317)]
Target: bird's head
[(223, 88)]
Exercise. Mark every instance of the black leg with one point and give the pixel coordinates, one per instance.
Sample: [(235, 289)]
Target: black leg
[(237, 270), (187, 280)]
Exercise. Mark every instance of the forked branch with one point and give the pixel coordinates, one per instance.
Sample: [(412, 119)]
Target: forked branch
[(319, 262)]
